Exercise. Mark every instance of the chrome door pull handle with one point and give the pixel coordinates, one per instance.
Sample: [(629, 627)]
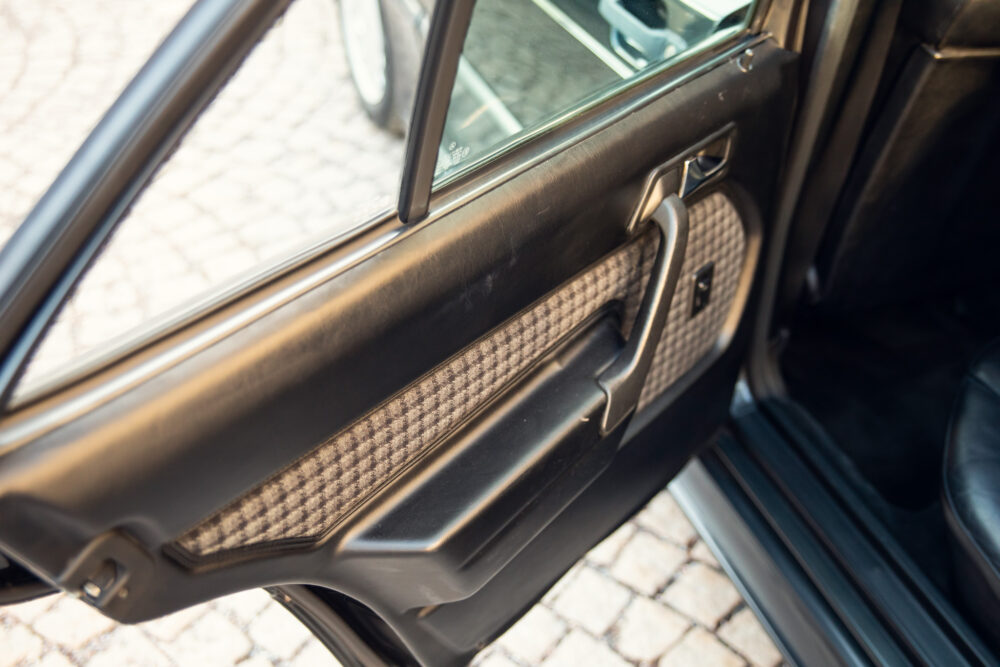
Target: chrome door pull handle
[(698, 170)]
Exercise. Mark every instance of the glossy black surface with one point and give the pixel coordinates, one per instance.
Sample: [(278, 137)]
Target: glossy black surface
[(971, 490), (888, 611), (954, 23), (787, 595), (915, 217), (449, 23)]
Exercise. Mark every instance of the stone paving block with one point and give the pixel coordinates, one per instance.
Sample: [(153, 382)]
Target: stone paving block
[(579, 648), (244, 606), (646, 563), (698, 648), (169, 627), (495, 660), (54, 660), (745, 634), (211, 640), (128, 646), (532, 637), (315, 655), (664, 517), (278, 632), (701, 552), (647, 629), (564, 581), (703, 594), (592, 601), (607, 550), (27, 612), (72, 623), (19, 643)]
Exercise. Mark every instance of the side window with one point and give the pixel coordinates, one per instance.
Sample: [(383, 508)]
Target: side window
[(303, 144), (527, 63)]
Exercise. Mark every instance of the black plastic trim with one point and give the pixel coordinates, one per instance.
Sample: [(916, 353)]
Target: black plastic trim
[(848, 603), (825, 70), (350, 647), (449, 23), (811, 442), (834, 159), (318, 347), (772, 582), (918, 630)]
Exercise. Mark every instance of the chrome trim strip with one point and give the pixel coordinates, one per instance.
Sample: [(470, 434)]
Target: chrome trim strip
[(961, 52)]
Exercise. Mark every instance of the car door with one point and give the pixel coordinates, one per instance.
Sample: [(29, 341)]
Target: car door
[(430, 419)]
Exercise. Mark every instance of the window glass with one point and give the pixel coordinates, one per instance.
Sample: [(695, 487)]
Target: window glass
[(62, 64), (303, 144), (528, 62)]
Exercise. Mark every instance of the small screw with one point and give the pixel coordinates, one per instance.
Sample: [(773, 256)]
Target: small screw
[(745, 61), (92, 590)]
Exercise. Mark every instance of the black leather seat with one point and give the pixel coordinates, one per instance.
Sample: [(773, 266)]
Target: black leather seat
[(972, 491)]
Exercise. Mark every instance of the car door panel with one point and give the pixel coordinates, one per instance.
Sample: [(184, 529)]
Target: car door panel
[(411, 418)]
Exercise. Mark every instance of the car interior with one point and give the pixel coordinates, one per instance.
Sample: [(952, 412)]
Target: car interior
[(888, 351), (791, 283)]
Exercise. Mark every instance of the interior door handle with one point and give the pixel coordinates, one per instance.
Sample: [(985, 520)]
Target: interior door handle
[(700, 169), (623, 380)]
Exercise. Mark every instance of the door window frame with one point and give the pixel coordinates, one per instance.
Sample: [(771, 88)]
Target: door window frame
[(57, 242)]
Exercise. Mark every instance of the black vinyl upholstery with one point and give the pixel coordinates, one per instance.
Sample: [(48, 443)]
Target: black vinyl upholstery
[(920, 194), (972, 490), (953, 23)]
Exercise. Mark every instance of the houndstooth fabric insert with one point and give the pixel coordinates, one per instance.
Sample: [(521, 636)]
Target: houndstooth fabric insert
[(715, 235), (309, 497)]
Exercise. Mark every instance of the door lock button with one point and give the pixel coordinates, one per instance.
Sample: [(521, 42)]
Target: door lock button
[(702, 288)]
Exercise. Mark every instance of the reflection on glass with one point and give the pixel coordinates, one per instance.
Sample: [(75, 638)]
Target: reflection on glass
[(526, 62)]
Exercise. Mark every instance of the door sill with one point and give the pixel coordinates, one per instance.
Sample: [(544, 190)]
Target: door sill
[(863, 574)]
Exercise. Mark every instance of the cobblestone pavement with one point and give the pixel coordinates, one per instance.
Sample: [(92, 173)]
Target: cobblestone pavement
[(282, 158)]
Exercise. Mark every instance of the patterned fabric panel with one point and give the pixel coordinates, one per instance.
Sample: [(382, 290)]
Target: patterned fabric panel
[(311, 495), (715, 236), (308, 498)]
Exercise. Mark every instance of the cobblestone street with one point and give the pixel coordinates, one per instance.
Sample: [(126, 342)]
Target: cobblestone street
[(284, 158)]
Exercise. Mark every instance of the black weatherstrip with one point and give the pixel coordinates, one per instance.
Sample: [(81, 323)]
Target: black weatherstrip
[(430, 107)]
